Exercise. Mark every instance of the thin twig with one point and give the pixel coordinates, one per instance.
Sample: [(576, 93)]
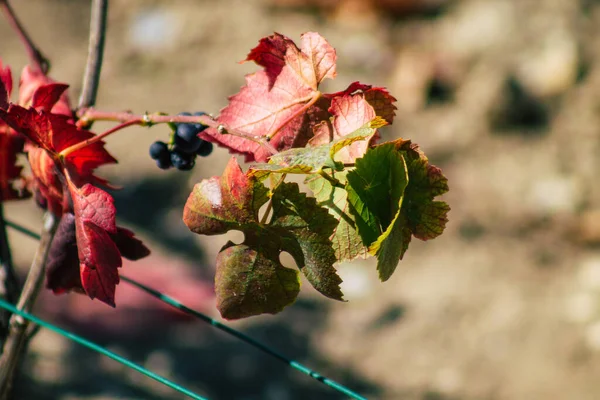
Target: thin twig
[(91, 77), (37, 58), (88, 115), (18, 326)]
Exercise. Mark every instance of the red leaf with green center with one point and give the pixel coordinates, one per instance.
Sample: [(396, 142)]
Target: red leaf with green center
[(350, 112), (219, 204)]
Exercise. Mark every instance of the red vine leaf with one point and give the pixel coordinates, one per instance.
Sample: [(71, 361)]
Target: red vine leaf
[(10, 172), (5, 85), (33, 80), (64, 272), (279, 101), (219, 204), (54, 133), (46, 96), (11, 144)]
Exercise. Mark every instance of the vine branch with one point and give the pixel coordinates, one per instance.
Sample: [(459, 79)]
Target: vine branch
[(9, 284), (37, 58), (91, 77), (89, 115), (17, 334)]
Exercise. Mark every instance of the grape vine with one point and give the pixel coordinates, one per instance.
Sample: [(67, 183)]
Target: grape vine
[(368, 198)]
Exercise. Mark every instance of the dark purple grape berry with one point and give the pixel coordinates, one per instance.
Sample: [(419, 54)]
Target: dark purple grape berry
[(182, 161), (164, 162), (186, 138), (205, 148), (158, 149)]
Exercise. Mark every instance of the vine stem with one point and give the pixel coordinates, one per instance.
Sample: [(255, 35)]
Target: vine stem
[(9, 284), (91, 77), (88, 115), (37, 58), (95, 139), (17, 330)]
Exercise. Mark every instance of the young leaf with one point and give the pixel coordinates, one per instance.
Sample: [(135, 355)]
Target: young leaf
[(306, 228), (250, 280), (346, 242)]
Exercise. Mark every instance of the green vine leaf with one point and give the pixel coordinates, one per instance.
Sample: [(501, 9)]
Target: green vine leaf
[(305, 231), (375, 193), (250, 279), (426, 218), (346, 242), (391, 194), (308, 160)]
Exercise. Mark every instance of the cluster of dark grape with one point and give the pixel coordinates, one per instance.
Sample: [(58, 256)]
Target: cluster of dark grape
[(187, 145)]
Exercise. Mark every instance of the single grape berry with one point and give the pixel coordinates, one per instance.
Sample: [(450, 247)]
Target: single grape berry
[(164, 162), (205, 148), (181, 160), (158, 149), (186, 138)]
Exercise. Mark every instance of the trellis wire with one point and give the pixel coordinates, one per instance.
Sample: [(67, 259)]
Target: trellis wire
[(100, 349), (237, 334)]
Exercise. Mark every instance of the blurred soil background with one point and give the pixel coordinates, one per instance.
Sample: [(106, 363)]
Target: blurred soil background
[(503, 95)]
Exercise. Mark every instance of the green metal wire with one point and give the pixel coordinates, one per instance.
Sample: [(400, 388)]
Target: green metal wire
[(241, 336), (100, 349), (237, 334)]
